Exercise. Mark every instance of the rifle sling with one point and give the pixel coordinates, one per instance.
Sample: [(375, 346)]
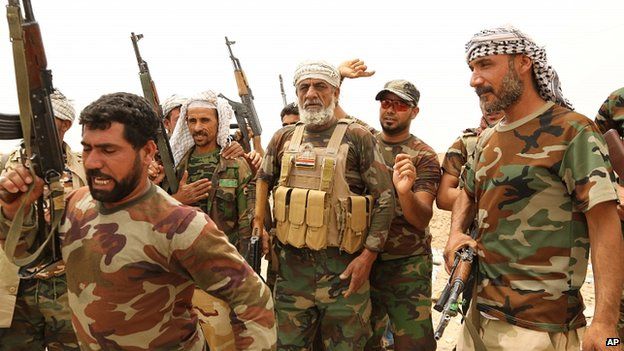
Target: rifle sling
[(15, 230), (215, 184)]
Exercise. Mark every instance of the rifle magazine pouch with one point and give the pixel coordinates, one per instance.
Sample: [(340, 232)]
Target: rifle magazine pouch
[(296, 217), (353, 238), (281, 197), (316, 237)]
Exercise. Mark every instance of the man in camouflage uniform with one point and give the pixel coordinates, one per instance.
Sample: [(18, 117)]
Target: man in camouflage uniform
[(541, 184), (611, 116), (611, 113), (457, 156), (34, 312), (221, 187), (133, 253), (324, 259), (401, 277)]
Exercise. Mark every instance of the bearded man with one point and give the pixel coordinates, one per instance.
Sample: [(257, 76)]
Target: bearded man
[(133, 254), (333, 204), (541, 183)]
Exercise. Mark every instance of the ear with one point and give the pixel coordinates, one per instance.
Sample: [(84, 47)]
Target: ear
[(65, 125), (149, 150), (524, 64), (415, 111), (337, 93)]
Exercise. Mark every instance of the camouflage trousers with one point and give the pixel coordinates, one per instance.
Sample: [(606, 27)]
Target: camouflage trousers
[(401, 291), (214, 319), (41, 319), (309, 300)]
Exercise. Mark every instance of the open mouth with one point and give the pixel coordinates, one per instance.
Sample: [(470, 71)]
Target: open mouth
[(101, 181)]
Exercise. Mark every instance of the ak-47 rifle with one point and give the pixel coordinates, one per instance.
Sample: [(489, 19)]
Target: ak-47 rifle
[(448, 303), (43, 150), (246, 111), (149, 92), (282, 90), (616, 151)]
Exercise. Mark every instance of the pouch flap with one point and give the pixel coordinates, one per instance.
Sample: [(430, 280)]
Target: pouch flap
[(316, 208), (280, 203), (358, 213), (297, 211)]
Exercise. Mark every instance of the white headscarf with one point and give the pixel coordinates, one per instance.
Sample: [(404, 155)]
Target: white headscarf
[(509, 40), (318, 70), (181, 140), (62, 107), (172, 102)]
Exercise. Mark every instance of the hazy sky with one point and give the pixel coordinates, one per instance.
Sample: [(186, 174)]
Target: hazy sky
[(90, 53)]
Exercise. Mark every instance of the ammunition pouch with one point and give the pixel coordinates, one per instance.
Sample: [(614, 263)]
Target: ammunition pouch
[(357, 221), (304, 219)]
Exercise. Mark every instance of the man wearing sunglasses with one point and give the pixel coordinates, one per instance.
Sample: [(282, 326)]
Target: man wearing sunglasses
[(401, 276)]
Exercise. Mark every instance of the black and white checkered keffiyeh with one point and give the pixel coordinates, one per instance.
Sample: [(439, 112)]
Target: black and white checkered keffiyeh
[(510, 41)]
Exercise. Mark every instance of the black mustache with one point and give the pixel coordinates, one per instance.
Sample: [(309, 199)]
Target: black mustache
[(482, 90), (200, 133), (92, 173)]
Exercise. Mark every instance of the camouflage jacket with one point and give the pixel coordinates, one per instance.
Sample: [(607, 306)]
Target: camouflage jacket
[(73, 178), (533, 180), (611, 113), (460, 153), (131, 272), (404, 239), (234, 200), (365, 172)]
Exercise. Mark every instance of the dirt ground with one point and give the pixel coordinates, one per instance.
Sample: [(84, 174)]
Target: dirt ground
[(439, 225)]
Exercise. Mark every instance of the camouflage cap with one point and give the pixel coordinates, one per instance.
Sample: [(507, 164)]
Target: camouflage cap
[(403, 89)]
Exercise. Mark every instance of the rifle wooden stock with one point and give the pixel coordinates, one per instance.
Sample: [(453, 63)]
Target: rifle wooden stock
[(616, 151), (241, 83)]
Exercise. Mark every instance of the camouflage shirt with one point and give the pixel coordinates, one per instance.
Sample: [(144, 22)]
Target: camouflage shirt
[(131, 273), (404, 239), (233, 204), (533, 180), (365, 172), (460, 153), (611, 113)]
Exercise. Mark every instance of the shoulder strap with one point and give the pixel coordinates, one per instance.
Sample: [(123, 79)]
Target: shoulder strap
[(215, 183), (329, 161), (295, 141)]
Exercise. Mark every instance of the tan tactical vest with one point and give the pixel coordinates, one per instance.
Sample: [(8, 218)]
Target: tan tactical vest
[(314, 206)]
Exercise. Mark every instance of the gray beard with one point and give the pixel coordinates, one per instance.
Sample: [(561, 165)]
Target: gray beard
[(319, 118)]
